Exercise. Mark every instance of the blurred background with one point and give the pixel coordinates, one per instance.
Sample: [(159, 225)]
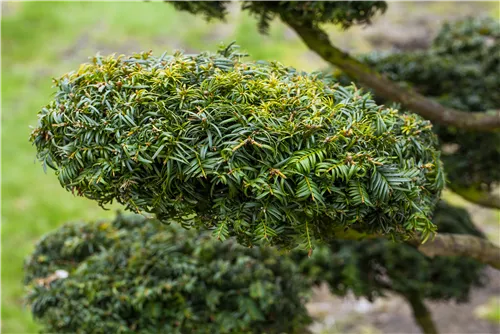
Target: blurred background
[(42, 40)]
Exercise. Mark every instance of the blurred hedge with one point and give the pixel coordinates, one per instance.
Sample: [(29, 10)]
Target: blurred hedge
[(137, 275), (344, 13)]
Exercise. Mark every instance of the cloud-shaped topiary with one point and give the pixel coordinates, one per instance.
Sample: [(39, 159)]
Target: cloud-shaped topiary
[(460, 70), (255, 150)]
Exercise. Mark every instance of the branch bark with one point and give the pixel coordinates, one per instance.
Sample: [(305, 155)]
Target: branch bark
[(443, 244), (475, 196), (474, 247), (317, 40)]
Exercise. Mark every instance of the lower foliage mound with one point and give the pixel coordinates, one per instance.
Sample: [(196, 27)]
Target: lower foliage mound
[(371, 267), (133, 275)]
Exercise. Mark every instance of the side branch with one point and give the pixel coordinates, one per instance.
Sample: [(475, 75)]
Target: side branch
[(317, 40), (480, 197), (462, 245), (443, 244)]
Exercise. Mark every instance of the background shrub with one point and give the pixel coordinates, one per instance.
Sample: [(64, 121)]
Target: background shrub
[(137, 275), (369, 268), (459, 70)]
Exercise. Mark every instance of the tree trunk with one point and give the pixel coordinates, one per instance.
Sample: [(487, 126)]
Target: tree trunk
[(464, 245), (421, 314)]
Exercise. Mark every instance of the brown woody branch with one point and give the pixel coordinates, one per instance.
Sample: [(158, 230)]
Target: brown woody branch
[(480, 197), (443, 244), (317, 40), (477, 248)]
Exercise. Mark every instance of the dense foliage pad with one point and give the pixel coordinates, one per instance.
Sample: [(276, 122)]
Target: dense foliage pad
[(138, 276), (460, 70), (256, 150), (345, 13), (369, 268)]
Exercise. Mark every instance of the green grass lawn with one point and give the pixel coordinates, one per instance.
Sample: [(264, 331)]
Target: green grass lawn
[(45, 40)]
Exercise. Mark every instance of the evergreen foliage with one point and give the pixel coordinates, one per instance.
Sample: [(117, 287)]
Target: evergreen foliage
[(460, 70), (138, 275), (371, 267), (255, 150), (134, 275), (345, 13)]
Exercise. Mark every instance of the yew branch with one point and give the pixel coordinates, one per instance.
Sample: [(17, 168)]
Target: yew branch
[(480, 197), (474, 247)]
